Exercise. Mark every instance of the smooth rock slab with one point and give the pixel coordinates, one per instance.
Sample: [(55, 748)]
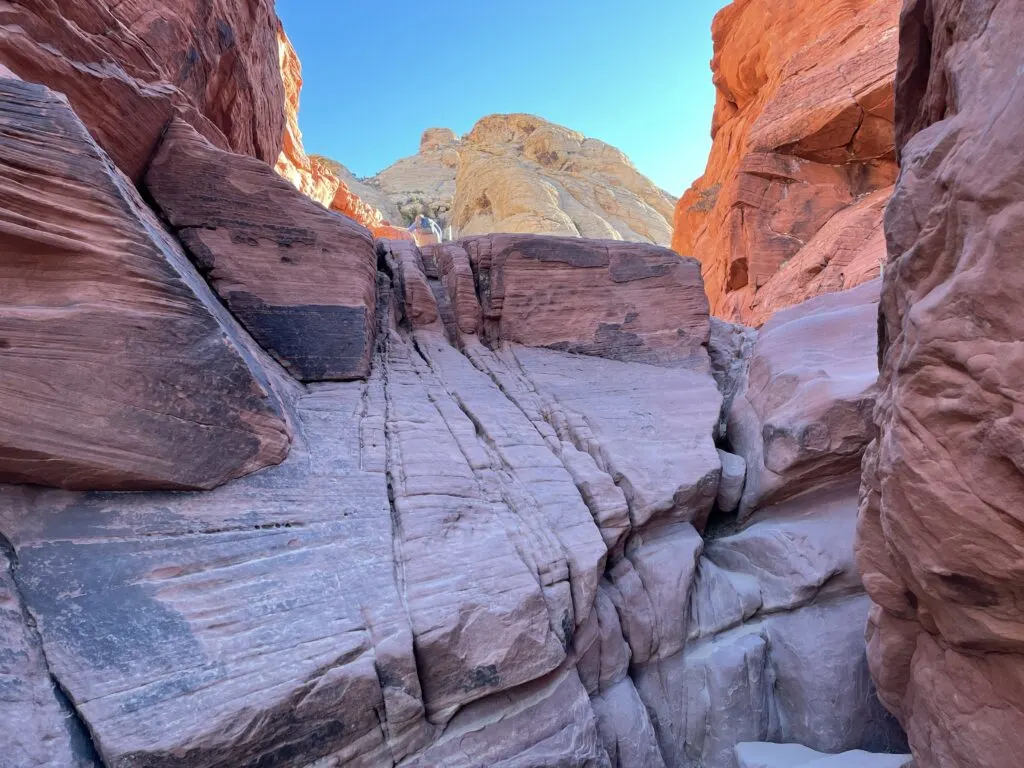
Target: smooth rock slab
[(118, 368), (36, 729), (258, 624), (649, 428), (301, 279)]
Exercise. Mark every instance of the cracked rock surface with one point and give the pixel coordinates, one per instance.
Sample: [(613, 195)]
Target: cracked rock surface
[(482, 554)]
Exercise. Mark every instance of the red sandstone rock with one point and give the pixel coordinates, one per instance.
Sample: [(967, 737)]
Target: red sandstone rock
[(301, 279), (118, 368), (624, 301), (128, 67), (802, 131), (941, 542)]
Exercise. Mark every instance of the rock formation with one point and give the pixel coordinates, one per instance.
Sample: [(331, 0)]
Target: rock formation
[(802, 163), (940, 539), (521, 174), (109, 341), (303, 284), (519, 501), (128, 67)]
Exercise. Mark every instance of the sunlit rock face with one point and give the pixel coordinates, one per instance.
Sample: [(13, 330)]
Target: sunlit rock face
[(940, 542), (521, 174), (802, 163), (128, 67)]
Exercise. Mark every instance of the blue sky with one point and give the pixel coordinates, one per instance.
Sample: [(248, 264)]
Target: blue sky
[(634, 74)]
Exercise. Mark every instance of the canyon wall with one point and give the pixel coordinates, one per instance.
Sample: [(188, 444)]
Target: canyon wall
[(128, 67), (802, 161), (940, 540)]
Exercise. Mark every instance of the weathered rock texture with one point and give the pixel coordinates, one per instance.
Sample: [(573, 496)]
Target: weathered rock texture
[(802, 416), (118, 368), (129, 67), (318, 178), (485, 554), (940, 541), (623, 301), (301, 280), (521, 174), (802, 163)]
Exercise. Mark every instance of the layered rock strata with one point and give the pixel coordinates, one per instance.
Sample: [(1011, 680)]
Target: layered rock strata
[(109, 341), (790, 205), (302, 281), (495, 553), (127, 68)]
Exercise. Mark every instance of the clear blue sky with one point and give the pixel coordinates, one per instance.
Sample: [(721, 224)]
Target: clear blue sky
[(634, 74)]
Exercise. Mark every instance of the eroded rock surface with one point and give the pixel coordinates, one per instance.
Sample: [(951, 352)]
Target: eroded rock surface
[(127, 68), (118, 367), (520, 173), (622, 301), (489, 553), (802, 417), (802, 161), (302, 281), (940, 539)]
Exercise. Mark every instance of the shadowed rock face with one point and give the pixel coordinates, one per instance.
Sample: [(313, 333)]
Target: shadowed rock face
[(301, 280), (940, 540), (118, 369), (128, 67), (791, 203)]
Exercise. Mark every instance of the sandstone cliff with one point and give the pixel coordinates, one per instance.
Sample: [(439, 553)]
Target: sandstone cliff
[(802, 163), (941, 543), (128, 67), (519, 173)]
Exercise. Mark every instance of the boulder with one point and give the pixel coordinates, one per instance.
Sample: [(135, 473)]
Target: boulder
[(127, 68), (622, 301), (302, 280), (803, 417), (940, 538), (110, 343), (802, 158)]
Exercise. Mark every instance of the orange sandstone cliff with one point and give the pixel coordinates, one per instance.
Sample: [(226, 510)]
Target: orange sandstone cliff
[(802, 163), (311, 175)]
